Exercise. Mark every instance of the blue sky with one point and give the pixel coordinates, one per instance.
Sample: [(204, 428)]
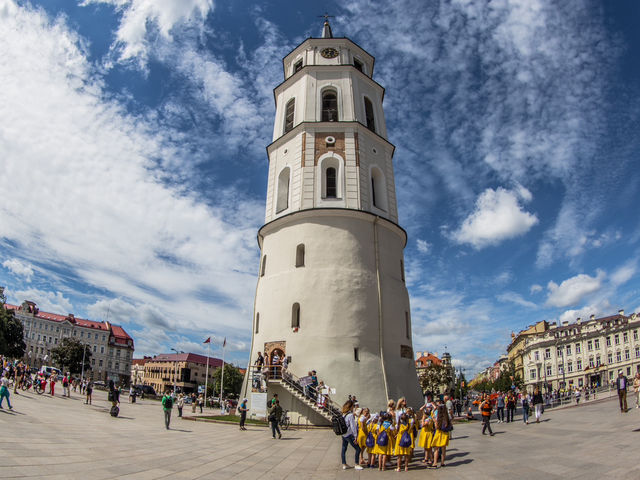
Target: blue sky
[(132, 152)]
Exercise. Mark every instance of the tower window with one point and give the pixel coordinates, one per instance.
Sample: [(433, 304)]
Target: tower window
[(402, 270), (263, 267), (289, 114), (329, 106), (406, 324), (368, 112), (358, 64), (295, 315), (282, 202), (331, 183), (378, 189), (257, 322), (297, 66), (356, 354), (300, 255)]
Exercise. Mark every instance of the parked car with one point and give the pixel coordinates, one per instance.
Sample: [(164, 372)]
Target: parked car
[(48, 370)]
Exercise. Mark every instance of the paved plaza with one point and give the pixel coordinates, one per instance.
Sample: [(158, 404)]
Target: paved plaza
[(47, 437)]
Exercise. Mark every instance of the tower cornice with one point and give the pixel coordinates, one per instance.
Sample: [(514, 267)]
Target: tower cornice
[(329, 126)]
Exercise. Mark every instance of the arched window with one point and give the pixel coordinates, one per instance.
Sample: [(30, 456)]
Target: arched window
[(282, 202), (257, 322), (368, 112), (402, 269), (406, 325), (378, 189), (263, 267), (300, 255), (329, 106), (289, 113), (295, 315), (331, 183)]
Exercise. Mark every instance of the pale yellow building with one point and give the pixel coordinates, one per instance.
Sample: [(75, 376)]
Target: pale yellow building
[(184, 371)]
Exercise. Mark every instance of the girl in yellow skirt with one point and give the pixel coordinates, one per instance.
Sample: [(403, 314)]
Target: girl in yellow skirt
[(413, 431), (362, 415), (426, 435), (385, 425), (441, 437), (403, 443), (373, 428)]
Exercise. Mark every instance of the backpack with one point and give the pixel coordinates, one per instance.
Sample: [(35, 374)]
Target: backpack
[(168, 402), (383, 439), (339, 425), (370, 441), (405, 440)]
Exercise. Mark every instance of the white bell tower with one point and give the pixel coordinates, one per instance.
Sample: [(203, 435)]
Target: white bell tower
[(331, 292)]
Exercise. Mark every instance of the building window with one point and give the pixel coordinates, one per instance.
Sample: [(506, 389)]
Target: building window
[(547, 353), (591, 364), (608, 341), (402, 270), (570, 367), (635, 334), (407, 328), (368, 112), (282, 202), (532, 374), (257, 322), (609, 358), (289, 113), (580, 382), (577, 348), (297, 66), (263, 267), (101, 349), (331, 191), (96, 336), (625, 337), (616, 339), (356, 354), (549, 370), (95, 348), (378, 189), (618, 356), (568, 349), (93, 361), (536, 355), (627, 355), (596, 344), (559, 351), (589, 345), (358, 64), (329, 106), (610, 375), (300, 255), (100, 363), (579, 364), (295, 315), (598, 362), (637, 352)]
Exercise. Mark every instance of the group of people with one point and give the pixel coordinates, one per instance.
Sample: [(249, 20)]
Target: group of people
[(395, 433)]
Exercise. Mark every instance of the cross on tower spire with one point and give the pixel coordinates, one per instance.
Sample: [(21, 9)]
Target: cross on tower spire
[(326, 29)]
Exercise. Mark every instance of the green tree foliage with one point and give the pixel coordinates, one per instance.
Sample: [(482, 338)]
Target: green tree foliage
[(461, 387), (68, 355), (435, 377), (503, 383), (232, 380), (11, 332)]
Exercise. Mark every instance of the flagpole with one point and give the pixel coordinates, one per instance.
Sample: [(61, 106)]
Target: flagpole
[(222, 376), (206, 375)]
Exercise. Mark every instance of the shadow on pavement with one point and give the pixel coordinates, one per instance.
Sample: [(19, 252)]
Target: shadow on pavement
[(180, 430), (459, 462), (456, 455)]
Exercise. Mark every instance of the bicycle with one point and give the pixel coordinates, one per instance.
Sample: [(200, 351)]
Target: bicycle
[(285, 421)]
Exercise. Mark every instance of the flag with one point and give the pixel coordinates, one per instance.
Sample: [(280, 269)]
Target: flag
[(224, 344), (208, 340)]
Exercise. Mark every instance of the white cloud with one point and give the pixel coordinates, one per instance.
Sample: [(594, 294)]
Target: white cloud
[(54, 302), (19, 268), (516, 298), (423, 246), (142, 19), (101, 205), (574, 289), (498, 216), (599, 309), (503, 278), (624, 273), (535, 288)]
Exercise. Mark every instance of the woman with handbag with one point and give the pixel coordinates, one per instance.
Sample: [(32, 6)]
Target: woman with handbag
[(441, 436)]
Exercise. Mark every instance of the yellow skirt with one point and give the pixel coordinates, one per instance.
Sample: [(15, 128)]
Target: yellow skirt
[(440, 439), (425, 438), (362, 439), (386, 450)]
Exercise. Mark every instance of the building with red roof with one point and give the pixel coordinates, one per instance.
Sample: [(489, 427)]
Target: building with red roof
[(111, 346), (185, 371)]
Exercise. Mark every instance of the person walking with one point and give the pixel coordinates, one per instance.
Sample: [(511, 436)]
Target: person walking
[(511, 406), (66, 385), (636, 389), (52, 383), (114, 398), (275, 413), (167, 406), (194, 402), (180, 404), (486, 409), (200, 402), (621, 384), (537, 403), (349, 438), (242, 408), (500, 407), (525, 408), (89, 390), (4, 390)]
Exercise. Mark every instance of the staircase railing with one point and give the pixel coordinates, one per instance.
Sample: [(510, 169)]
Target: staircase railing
[(278, 373)]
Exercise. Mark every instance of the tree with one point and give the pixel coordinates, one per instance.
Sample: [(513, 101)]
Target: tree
[(11, 331), (434, 377), (233, 379), (68, 355)]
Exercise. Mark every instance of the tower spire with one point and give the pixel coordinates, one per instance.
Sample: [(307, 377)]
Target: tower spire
[(326, 29)]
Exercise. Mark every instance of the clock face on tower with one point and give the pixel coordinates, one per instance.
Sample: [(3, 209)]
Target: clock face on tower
[(329, 52)]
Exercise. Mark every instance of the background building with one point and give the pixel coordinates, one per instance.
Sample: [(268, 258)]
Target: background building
[(184, 370), (111, 347), (137, 370)]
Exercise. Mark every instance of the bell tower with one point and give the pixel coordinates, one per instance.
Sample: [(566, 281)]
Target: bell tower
[(331, 293)]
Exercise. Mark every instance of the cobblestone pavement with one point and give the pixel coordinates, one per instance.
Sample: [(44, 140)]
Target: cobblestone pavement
[(47, 437)]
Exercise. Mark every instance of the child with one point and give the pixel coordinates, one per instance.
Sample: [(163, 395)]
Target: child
[(426, 435), (373, 427), (441, 436), (362, 415), (403, 452), (385, 425)]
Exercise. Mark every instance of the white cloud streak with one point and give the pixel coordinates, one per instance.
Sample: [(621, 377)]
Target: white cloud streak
[(18, 268), (574, 289)]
